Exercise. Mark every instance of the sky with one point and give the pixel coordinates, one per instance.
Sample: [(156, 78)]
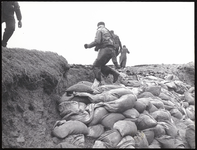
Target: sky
[(153, 32)]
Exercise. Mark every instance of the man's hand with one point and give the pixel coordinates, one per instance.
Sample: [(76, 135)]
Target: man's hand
[(96, 48), (19, 24), (86, 46)]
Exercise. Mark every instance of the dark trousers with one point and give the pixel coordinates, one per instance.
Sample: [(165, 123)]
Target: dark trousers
[(9, 30), (123, 60), (99, 65), (114, 58)]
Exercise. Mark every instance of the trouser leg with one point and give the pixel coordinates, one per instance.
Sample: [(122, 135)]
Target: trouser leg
[(107, 70), (114, 60), (9, 30), (104, 55), (124, 62)]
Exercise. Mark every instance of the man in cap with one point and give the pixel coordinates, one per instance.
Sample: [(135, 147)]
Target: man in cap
[(105, 42)]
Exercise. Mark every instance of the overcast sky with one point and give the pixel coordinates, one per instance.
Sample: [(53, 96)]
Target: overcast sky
[(153, 32)]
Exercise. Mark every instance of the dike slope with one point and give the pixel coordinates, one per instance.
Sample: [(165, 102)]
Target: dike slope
[(32, 83)]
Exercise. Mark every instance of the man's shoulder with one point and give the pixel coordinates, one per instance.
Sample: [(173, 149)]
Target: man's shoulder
[(116, 35)]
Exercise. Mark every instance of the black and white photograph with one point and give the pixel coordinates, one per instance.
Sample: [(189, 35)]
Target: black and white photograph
[(98, 74)]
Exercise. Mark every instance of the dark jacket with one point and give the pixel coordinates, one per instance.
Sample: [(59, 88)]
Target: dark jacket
[(8, 9), (103, 38), (117, 42)]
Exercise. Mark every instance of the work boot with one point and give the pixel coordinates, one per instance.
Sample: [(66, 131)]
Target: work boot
[(115, 76), (108, 70), (4, 44), (116, 65)]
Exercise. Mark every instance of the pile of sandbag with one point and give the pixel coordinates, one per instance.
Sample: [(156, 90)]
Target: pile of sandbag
[(146, 113)]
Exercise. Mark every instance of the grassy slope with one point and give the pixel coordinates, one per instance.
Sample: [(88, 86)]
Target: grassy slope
[(30, 68)]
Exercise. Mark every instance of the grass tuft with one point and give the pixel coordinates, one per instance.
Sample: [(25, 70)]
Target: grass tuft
[(31, 68)]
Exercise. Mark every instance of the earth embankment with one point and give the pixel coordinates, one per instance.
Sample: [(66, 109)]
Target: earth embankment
[(33, 81)]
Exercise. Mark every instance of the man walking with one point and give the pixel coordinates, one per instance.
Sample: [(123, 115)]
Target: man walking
[(105, 42), (123, 57), (118, 47), (7, 15)]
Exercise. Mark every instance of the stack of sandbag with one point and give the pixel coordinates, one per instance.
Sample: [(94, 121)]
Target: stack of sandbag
[(158, 113)]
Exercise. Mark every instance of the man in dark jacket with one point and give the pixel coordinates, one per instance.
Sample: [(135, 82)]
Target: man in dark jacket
[(8, 8), (118, 47), (105, 42)]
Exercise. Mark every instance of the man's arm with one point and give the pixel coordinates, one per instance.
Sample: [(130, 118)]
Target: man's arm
[(18, 11), (120, 43), (128, 51), (97, 40)]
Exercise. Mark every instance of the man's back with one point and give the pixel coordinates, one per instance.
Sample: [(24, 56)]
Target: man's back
[(124, 51)]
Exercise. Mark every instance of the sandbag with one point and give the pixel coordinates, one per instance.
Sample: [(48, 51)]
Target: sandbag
[(99, 114), (168, 107), (81, 99), (120, 91), (159, 130), (150, 135), (180, 87), (99, 144), (154, 89), (126, 142), (145, 101), (176, 113), (171, 85), (66, 145), (169, 103), (95, 131), (167, 141), (106, 87), (120, 105), (68, 108), (164, 96), (189, 98), (158, 103), (190, 136), (190, 111), (96, 98), (191, 89), (88, 83), (109, 120), (64, 128), (126, 127), (133, 83), (145, 121), (161, 115), (111, 138), (76, 139), (131, 113), (171, 77), (80, 87), (170, 128), (151, 108), (146, 95), (155, 144), (140, 140), (139, 106), (85, 116), (185, 104), (181, 126), (65, 97)]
